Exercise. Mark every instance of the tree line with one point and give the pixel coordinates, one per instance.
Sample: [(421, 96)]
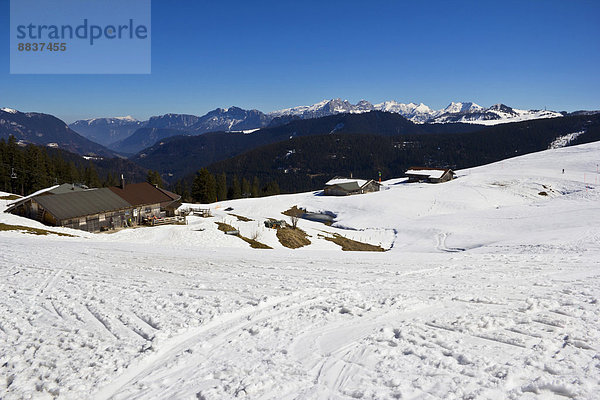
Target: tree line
[(207, 187), (27, 169)]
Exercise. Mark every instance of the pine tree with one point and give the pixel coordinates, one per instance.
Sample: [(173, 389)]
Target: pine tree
[(255, 187), (222, 187), (236, 189), (178, 188), (246, 188), (204, 187), (271, 189), (154, 178), (90, 176), (4, 173)]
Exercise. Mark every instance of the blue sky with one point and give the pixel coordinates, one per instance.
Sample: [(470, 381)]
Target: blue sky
[(275, 54)]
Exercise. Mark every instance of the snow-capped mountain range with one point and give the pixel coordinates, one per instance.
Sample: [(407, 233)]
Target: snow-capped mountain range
[(114, 132), (420, 113), (121, 133)]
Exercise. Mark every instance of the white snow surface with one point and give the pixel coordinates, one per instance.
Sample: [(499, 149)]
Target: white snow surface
[(9, 110), (458, 107), (110, 120), (432, 173), (522, 115), (563, 141), (32, 195), (489, 290), (340, 181)]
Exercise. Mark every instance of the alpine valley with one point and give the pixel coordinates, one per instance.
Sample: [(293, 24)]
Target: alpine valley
[(294, 149), (127, 135)]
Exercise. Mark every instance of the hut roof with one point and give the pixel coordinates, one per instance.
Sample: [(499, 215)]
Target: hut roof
[(141, 194), (434, 173), (358, 183), (24, 199), (348, 184), (67, 188), (81, 203)]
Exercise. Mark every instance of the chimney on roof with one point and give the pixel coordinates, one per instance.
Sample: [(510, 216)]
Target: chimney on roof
[(122, 182)]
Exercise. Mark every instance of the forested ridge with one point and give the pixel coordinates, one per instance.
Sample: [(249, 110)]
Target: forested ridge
[(26, 169)]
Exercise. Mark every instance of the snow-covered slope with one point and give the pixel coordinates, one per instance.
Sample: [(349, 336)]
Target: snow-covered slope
[(418, 113), (455, 108), (324, 108), (496, 114), (490, 290)]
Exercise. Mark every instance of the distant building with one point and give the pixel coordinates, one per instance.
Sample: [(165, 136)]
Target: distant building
[(429, 175), (347, 186)]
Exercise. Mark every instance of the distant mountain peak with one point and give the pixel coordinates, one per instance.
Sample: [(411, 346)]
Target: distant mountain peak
[(126, 118), (45, 129), (460, 107)]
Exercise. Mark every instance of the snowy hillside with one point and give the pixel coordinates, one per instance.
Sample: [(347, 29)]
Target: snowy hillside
[(489, 289), (496, 114)]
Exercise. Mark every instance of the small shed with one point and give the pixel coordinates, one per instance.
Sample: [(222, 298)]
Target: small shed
[(346, 186), (429, 175)]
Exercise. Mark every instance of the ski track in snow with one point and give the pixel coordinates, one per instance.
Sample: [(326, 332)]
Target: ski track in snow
[(298, 328), (493, 301)]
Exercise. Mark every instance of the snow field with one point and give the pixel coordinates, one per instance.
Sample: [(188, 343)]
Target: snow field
[(122, 322), (490, 290)]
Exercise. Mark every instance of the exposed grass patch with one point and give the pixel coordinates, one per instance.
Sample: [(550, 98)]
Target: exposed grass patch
[(298, 213), (293, 212), (351, 245), (292, 238), (242, 218), (33, 231), (225, 227), (10, 197), (255, 244)]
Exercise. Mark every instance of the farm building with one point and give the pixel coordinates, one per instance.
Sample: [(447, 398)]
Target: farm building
[(148, 201), (89, 210), (26, 208), (94, 210), (429, 175), (347, 186)]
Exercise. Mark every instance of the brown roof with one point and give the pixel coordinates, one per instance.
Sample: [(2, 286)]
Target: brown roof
[(142, 194), (173, 196)]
